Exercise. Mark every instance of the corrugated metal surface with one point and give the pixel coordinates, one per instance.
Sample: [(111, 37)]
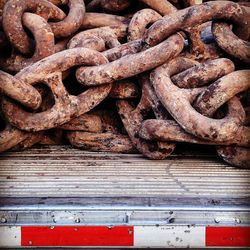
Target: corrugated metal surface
[(66, 172)]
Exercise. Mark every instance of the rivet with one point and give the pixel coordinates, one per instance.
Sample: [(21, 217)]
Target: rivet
[(217, 220), (30, 242), (3, 220), (237, 220), (77, 220)]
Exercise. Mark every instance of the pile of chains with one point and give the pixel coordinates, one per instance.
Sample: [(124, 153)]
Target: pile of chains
[(126, 76)]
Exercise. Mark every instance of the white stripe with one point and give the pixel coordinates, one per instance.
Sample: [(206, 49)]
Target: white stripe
[(10, 236), (169, 236)]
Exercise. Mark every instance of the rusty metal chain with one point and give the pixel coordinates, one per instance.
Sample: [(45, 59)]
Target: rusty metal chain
[(126, 76)]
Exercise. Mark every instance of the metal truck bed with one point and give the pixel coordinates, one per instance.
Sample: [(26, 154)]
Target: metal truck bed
[(187, 200)]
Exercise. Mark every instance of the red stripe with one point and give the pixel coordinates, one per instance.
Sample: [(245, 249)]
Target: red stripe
[(228, 236), (77, 236)]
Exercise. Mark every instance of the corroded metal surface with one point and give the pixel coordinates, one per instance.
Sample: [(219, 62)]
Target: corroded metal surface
[(170, 72)]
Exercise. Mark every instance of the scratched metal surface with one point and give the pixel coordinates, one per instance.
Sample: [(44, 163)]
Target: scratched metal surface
[(67, 172)]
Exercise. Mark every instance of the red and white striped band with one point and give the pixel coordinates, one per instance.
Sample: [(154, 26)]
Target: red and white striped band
[(125, 236)]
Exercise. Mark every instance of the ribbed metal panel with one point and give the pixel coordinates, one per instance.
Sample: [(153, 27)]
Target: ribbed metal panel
[(66, 172)]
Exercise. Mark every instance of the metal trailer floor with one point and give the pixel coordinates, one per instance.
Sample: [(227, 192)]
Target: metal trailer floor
[(67, 172), (60, 185)]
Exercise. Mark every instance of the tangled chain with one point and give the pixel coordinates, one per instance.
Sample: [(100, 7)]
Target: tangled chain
[(126, 76)]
